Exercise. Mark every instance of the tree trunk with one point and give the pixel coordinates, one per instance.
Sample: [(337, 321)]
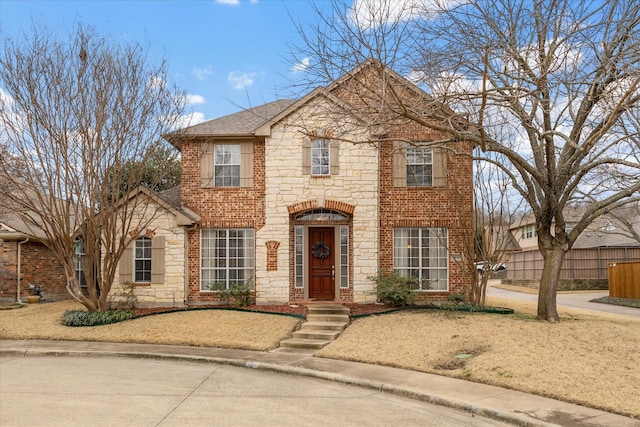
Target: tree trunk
[(549, 284)]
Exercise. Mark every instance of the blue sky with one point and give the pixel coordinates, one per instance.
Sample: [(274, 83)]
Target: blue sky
[(226, 54)]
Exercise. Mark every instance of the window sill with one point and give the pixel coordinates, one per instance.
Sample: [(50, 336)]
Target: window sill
[(141, 284)]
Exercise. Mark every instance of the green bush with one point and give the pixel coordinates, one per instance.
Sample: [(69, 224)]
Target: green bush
[(395, 290), (95, 318), (241, 295)]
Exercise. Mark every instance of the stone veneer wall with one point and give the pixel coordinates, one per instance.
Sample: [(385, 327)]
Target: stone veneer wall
[(356, 184), (171, 292)]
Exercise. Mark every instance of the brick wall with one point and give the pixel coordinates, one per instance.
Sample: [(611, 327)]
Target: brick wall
[(39, 268), (218, 207)]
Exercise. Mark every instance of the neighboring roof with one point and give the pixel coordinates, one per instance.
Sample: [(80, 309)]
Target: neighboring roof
[(243, 123), (606, 234), (171, 196), (13, 227), (170, 200)]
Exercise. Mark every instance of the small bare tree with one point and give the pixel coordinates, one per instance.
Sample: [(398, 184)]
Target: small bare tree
[(552, 86), (73, 112)]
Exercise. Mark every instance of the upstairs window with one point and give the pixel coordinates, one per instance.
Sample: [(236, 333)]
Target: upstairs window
[(529, 232), (320, 157), (227, 165), (419, 167), (415, 165)]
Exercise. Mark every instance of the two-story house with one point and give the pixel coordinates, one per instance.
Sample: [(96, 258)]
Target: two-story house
[(294, 199)]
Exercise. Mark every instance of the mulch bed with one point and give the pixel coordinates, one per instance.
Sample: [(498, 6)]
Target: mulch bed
[(356, 309)]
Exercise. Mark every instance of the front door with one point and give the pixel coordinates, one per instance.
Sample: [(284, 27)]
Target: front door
[(321, 263)]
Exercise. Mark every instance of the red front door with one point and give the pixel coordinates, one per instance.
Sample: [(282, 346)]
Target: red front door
[(321, 263)]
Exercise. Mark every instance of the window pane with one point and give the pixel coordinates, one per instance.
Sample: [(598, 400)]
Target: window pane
[(142, 260), (422, 253), (227, 165), (419, 167), (226, 258), (320, 157)]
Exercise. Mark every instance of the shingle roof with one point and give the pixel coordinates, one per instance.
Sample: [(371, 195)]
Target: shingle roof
[(244, 122), (171, 196)]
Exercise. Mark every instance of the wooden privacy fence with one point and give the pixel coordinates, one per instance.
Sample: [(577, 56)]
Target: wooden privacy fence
[(587, 263), (624, 280)]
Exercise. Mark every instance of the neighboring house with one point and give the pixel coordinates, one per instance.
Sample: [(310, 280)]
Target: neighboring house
[(605, 241), (25, 262), (287, 206)]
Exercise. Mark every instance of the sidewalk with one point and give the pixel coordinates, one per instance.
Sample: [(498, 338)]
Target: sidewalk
[(484, 400)]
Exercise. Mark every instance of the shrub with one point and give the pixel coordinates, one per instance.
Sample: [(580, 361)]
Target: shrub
[(241, 295), (395, 290), (95, 318), (125, 299)]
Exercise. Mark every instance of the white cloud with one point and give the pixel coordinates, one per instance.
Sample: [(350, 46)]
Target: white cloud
[(188, 120), (373, 13), (241, 80), (202, 73), (302, 65), (195, 99)]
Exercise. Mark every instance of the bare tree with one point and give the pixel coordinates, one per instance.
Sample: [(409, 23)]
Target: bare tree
[(496, 208), (73, 111), (551, 86)]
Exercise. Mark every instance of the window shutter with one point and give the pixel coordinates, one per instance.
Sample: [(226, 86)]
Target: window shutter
[(306, 157), (439, 159), (126, 265), (334, 158), (157, 260), (399, 165), (246, 164), (206, 165)]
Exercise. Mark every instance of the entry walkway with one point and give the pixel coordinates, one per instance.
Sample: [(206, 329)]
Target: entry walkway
[(488, 401)]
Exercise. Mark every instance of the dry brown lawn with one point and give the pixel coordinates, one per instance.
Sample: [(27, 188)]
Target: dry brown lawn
[(206, 328), (585, 359)]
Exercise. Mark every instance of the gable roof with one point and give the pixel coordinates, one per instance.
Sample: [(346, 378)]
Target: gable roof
[(169, 200), (240, 124)]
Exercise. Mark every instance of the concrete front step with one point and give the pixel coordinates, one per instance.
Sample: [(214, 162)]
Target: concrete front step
[(316, 334), (324, 323), (328, 309), (323, 326), (304, 343), (328, 317)]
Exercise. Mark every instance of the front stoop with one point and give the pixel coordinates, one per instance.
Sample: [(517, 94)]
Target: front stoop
[(324, 324)]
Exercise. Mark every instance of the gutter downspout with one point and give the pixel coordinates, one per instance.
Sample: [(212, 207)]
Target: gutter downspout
[(19, 269)]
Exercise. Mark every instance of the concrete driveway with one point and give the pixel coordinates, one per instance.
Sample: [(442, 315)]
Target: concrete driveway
[(122, 391), (579, 300)]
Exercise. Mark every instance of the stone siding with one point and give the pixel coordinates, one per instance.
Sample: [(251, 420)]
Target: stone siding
[(354, 190), (171, 292)]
